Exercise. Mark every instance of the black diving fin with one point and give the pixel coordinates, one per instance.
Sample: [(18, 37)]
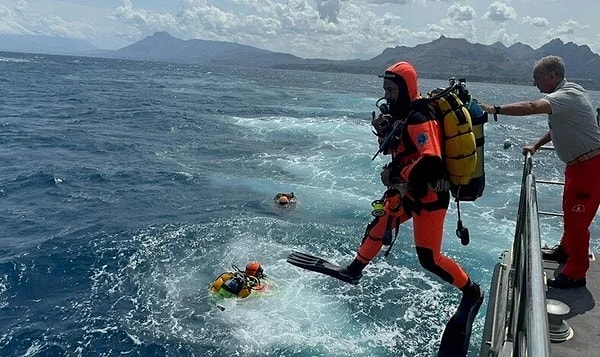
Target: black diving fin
[(320, 265), (457, 334)]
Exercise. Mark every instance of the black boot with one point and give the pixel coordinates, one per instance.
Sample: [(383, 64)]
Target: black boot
[(354, 271), (556, 253), (471, 289), (457, 333), (470, 302), (356, 267)]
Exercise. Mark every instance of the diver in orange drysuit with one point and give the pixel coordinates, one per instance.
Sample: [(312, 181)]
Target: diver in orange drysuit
[(415, 181)]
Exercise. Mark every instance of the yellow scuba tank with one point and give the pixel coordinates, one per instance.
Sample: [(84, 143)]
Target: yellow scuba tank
[(460, 154), (218, 283), (229, 285), (462, 121), (475, 187)]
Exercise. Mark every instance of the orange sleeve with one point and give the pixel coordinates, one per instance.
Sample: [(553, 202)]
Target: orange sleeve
[(426, 137)]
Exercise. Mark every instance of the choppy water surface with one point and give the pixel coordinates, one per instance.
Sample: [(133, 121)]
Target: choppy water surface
[(127, 187)]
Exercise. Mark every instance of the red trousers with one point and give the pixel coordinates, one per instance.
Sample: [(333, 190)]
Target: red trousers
[(581, 198)]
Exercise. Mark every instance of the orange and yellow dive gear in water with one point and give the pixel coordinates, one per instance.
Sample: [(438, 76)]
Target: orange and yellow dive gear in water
[(238, 283)]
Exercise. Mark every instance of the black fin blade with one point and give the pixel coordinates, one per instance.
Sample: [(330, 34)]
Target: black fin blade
[(320, 265)]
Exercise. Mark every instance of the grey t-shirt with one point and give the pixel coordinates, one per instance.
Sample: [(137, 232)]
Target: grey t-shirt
[(573, 125)]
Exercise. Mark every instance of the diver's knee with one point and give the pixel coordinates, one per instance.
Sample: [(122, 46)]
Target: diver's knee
[(426, 258)]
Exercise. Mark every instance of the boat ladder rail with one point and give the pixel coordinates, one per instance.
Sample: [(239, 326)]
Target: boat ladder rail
[(516, 320)]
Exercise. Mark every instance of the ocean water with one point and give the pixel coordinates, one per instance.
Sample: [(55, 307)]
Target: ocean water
[(126, 187)]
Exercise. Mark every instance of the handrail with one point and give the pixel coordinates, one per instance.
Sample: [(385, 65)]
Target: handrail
[(529, 309), (536, 325), (517, 321)]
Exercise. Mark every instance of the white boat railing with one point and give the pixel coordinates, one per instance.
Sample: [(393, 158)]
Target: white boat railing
[(516, 320)]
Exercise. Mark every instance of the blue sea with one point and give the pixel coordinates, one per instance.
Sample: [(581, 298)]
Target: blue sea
[(126, 187)]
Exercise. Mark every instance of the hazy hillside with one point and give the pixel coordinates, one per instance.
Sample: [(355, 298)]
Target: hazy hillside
[(163, 47), (447, 57), (43, 44), (439, 59), (457, 57)]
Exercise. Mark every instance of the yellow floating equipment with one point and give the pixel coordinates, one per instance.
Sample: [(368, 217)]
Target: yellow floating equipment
[(229, 285), (460, 150), (218, 283)]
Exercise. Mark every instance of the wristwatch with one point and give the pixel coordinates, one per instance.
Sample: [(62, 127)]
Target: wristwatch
[(497, 109)]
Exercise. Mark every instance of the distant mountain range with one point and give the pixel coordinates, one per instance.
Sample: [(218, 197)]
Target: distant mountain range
[(439, 59), (44, 44)]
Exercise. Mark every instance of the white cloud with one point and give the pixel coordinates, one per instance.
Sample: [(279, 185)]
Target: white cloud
[(459, 13), (137, 23), (56, 26), (382, 2), (536, 21), (501, 35), (10, 22), (21, 6), (457, 24), (459, 29), (500, 12), (566, 28), (430, 32), (330, 31), (329, 9), (307, 28)]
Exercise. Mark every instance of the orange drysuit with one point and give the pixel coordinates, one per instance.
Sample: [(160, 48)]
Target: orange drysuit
[(415, 168)]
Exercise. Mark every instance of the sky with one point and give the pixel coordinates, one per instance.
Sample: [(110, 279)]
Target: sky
[(332, 29)]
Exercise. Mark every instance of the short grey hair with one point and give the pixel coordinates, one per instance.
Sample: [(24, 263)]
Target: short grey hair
[(551, 64)]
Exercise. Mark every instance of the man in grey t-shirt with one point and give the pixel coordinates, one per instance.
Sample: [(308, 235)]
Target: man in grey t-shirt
[(574, 132)]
